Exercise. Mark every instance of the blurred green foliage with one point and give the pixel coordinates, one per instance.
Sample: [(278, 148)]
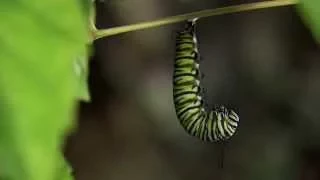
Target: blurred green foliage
[(81, 64), (39, 42), (310, 11), (81, 72), (43, 71)]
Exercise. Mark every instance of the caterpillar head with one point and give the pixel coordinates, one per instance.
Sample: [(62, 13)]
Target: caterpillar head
[(228, 122)]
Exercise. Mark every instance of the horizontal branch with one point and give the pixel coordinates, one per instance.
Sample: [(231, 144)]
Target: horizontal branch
[(199, 14)]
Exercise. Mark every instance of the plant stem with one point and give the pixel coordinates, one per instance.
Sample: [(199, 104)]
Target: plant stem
[(200, 14), (92, 22)]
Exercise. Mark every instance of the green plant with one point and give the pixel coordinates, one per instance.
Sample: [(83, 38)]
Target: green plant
[(43, 73)]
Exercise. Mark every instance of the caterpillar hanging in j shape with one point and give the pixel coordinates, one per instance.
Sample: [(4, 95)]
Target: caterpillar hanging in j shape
[(214, 125)]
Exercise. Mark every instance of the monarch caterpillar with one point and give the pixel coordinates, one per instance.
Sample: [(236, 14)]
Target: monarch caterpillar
[(214, 125)]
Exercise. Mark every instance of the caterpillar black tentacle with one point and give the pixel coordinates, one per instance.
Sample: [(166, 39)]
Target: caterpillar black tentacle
[(218, 124)]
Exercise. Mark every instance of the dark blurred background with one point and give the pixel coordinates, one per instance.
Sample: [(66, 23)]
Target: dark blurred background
[(264, 64)]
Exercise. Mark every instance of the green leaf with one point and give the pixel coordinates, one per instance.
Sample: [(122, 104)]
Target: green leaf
[(81, 72), (39, 41), (85, 7), (81, 63), (63, 170), (310, 12)]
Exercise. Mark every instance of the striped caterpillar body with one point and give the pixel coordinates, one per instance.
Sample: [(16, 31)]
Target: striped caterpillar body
[(214, 125)]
